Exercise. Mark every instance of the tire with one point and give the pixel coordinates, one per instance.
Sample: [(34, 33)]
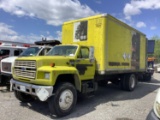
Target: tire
[(64, 93), (23, 97), (122, 83), (130, 82)]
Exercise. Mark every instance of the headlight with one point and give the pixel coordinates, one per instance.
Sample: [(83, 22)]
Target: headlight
[(47, 76), (6, 67), (157, 109), (157, 105)]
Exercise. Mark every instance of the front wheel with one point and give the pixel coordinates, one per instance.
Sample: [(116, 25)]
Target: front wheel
[(64, 100)]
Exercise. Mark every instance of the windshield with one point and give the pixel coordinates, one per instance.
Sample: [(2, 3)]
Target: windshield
[(31, 51), (63, 50)]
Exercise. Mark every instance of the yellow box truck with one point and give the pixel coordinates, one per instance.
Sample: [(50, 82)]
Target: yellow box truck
[(94, 50)]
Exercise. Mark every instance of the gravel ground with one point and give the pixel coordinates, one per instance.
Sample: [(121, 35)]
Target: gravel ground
[(109, 103)]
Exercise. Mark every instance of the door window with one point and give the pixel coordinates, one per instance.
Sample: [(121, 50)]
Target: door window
[(84, 53), (17, 52), (44, 51), (4, 52)]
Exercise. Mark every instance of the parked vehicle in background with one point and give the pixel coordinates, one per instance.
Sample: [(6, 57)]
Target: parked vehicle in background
[(155, 112), (157, 68), (94, 49), (7, 63), (150, 52), (7, 50), (11, 49), (150, 63)]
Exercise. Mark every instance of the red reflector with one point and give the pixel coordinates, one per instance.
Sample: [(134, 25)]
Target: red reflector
[(13, 45), (26, 45)]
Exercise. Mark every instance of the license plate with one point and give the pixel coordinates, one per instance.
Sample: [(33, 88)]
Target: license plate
[(42, 94), (23, 88)]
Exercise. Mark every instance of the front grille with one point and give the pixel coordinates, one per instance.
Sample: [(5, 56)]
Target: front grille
[(30, 64), (6, 67), (26, 69)]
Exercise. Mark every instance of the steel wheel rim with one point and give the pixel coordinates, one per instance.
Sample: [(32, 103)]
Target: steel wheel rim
[(66, 99), (132, 82)]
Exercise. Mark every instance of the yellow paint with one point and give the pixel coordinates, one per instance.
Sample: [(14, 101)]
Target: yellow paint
[(111, 39)]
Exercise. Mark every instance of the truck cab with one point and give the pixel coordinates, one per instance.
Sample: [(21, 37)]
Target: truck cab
[(64, 66), (9, 50), (6, 51)]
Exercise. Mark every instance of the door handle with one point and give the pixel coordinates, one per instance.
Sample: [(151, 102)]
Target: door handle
[(77, 61)]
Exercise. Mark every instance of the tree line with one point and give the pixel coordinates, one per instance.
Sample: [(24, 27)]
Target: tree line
[(156, 53)]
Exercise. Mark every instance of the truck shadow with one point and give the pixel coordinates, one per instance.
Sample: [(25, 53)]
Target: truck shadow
[(108, 96)]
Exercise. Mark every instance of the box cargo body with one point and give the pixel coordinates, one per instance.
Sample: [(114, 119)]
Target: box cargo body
[(118, 47)]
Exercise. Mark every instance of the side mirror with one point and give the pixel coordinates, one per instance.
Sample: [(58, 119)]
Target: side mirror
[(91, 54)]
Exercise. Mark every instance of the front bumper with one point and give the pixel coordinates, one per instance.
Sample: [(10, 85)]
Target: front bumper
[(6, 75), (152, 116), (42, 92), (5, 78)]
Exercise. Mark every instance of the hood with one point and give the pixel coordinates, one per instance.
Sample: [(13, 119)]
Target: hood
[(9, 59), (4, 56), (48, 60)]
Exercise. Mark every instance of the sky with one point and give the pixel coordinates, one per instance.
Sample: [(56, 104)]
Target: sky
[(30, 20)]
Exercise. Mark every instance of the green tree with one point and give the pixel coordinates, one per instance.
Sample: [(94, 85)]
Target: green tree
[(157, 48)]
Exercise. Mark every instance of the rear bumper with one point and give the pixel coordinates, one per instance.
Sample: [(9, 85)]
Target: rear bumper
[(42, 92), (152, 116)]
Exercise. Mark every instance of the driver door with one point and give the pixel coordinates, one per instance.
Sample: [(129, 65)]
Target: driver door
[(84, 65)]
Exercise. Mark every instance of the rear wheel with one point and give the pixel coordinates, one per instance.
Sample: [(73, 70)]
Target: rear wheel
[(64, 100), (128, 82), (131, 82), (23, 97)]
